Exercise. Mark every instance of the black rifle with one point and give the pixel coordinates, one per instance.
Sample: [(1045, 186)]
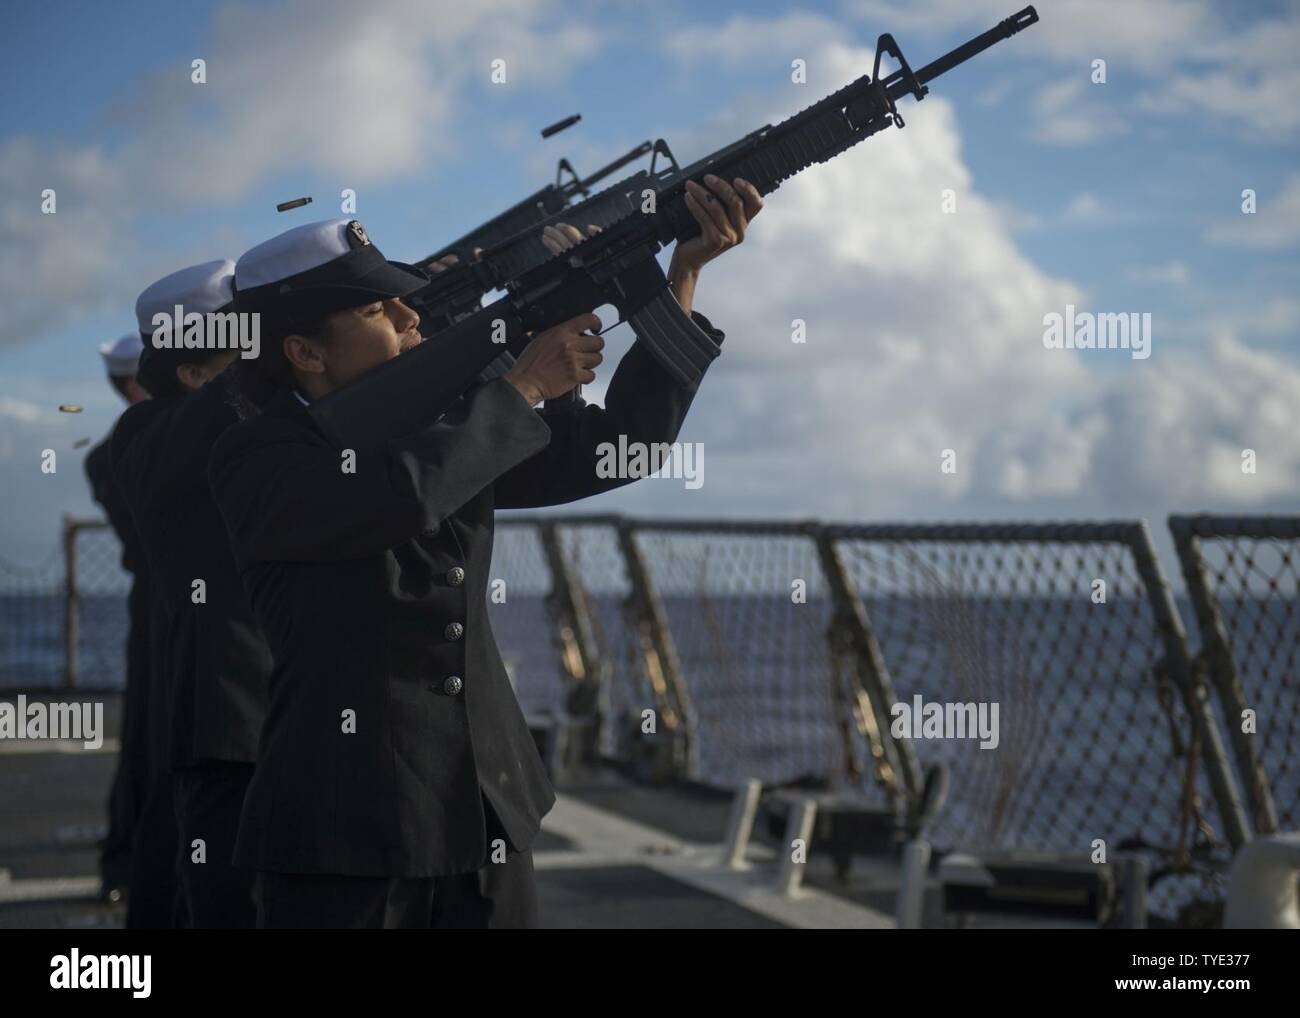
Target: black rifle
[(538, 207), (512, 242), (618, 265)]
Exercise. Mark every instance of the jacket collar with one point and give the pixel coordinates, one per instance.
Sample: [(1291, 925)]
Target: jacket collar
[(285, 404)]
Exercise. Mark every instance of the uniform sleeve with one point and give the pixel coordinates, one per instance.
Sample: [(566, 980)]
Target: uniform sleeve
[(99, 470), (643, 402), (285, 496), (132, 459)]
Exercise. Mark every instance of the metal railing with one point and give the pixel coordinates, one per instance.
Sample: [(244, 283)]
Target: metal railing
[(722, 650), (1243, 578)]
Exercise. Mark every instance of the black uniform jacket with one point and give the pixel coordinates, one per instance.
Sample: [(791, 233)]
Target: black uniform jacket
[(392, 716), (214, 657), (134, 764), (99, 470)]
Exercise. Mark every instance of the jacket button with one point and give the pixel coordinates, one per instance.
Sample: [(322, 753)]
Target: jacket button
[(455, 576), (432, 531), (452, 685), (454, 631)]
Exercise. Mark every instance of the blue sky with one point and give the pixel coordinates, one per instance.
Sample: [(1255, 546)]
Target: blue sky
[(1123, 196)]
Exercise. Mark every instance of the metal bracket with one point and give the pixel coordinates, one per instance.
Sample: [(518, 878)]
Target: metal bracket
[(661, 149), (577, 181), (886, 45)]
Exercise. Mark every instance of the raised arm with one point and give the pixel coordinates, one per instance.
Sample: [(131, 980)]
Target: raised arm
[(643, 403)]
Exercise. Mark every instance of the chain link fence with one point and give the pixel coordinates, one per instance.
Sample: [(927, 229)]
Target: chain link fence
[(95, 606), (519, 586), (609, 634), (65, 621), (793, 652), (747, 619), (1101, 734), (1243, 577), (32, 653)]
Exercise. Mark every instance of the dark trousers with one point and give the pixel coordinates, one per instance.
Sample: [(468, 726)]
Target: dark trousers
[(500, 896), (115, 850), (131, 775), (154, 901), (154, 898), (209, 798)]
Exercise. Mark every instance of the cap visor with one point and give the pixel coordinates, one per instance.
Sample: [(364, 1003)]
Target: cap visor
[(393, 279)]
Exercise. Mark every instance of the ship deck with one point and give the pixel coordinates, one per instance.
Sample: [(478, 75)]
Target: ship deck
[(613, 854)]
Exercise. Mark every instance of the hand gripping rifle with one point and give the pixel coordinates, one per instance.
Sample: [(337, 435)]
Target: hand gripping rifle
[(538, 206), (459, 290), (618, 265)]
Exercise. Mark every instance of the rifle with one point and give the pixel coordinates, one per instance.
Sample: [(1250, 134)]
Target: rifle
[(460, 289), (617, 266), (540, 207)]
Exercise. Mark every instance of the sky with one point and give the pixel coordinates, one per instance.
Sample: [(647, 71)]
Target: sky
[(922, 262)]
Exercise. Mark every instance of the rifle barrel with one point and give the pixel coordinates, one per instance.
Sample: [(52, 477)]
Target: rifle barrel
[(1004, 29)]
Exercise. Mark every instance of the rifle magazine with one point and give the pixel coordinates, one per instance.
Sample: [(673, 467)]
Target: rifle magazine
[(682, 347)]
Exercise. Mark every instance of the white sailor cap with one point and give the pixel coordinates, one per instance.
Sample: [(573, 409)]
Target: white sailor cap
[(316, 269), (122, 355), (201, 289)]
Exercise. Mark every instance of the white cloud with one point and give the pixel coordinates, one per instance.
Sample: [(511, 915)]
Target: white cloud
[(1073, 112), (924, 329), (1085, 208), (367, 93), (1247, 78), (924, 332), (54, 266), (30, 423), (19, 410), (1184, 427), (1264, 102), (745, 39), (1277, 316), (1016, 219), (1196, 56), (1152, 34), (1171, 274), (1274, 224), (996, 93)]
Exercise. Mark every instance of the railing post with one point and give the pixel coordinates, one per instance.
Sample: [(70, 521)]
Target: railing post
[(1217, 658), (580, 659), (663, 669), (873, 674), (1195, 695), (71, 603)]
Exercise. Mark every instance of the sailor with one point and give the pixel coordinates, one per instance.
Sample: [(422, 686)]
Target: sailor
[(214, 658), (397, 784), (131, 775)]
